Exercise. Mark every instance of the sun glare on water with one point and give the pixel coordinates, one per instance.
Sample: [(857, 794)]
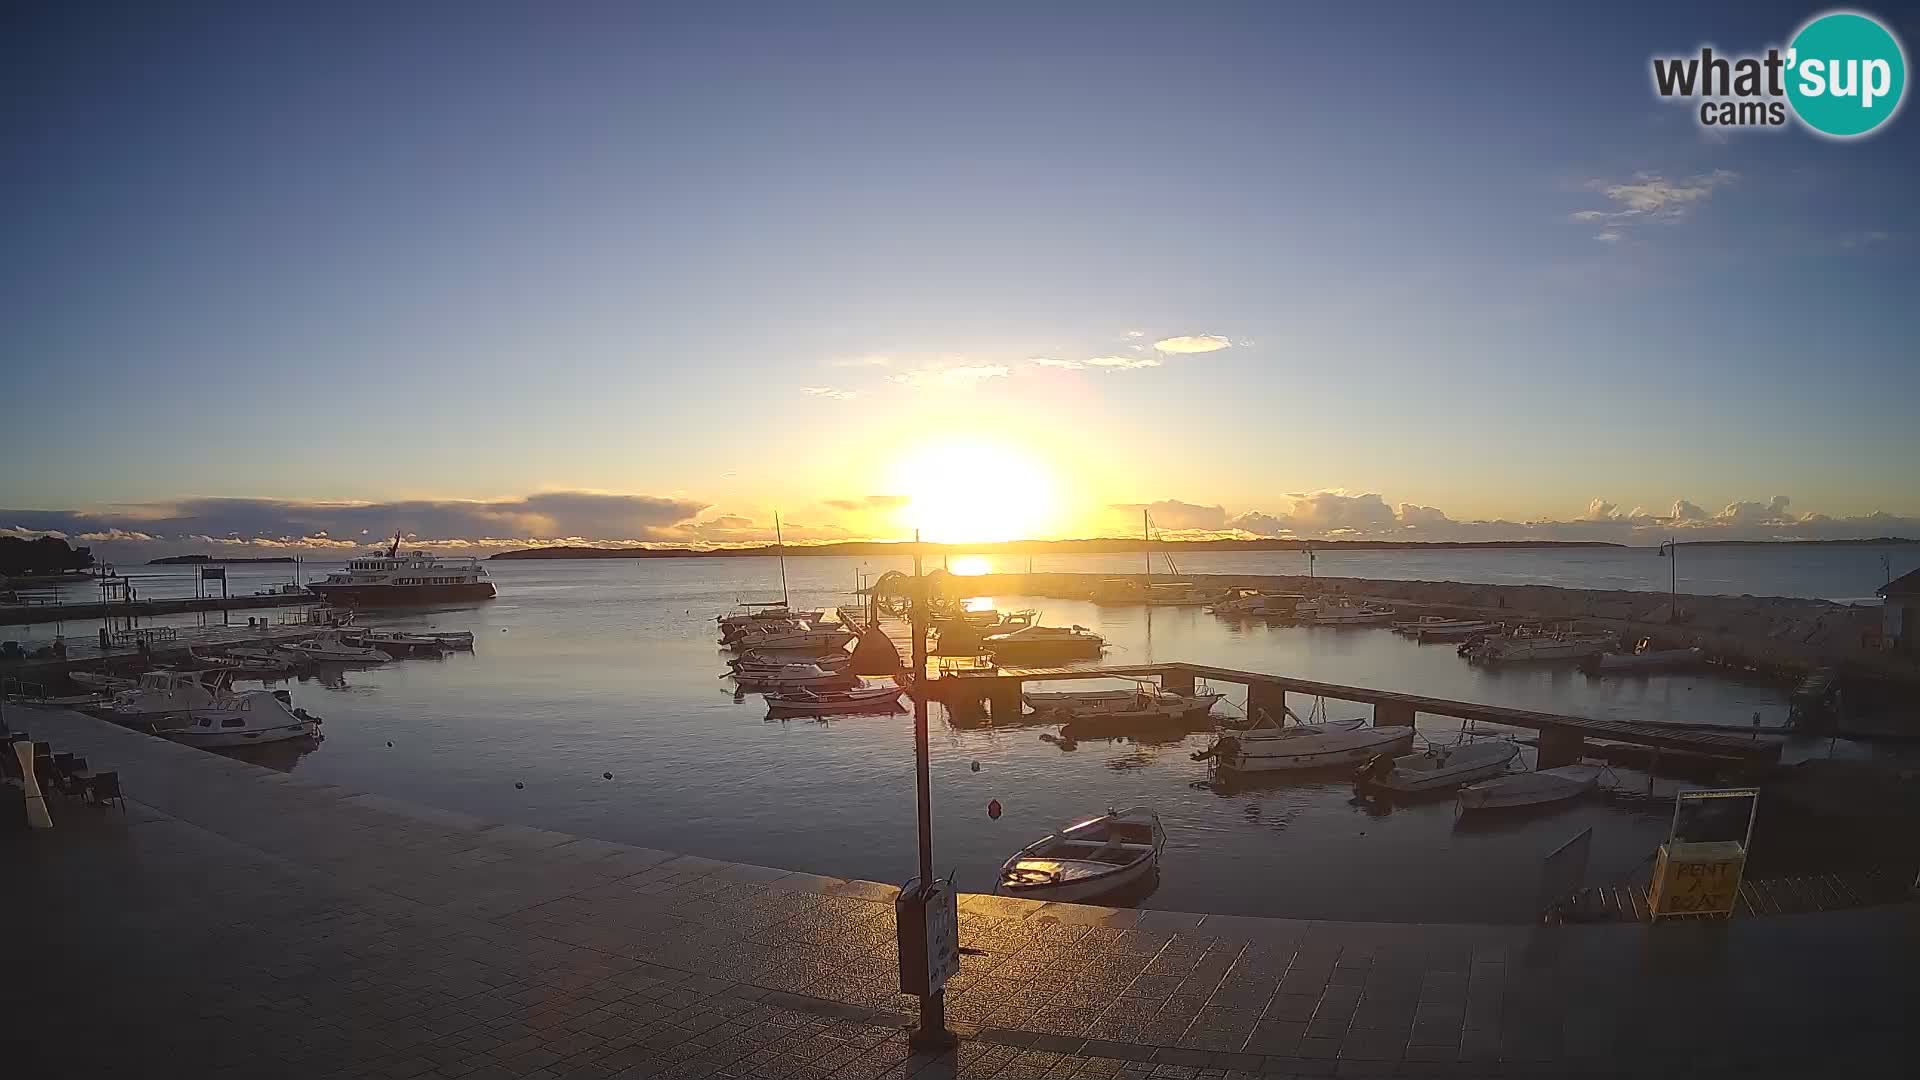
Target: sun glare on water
[(976, 492)]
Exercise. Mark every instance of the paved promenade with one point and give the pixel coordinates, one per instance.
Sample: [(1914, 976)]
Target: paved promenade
[(243, 922)]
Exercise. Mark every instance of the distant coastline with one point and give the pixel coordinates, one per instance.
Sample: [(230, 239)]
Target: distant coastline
[(1126, 545), (1098, 546), (177, 560)]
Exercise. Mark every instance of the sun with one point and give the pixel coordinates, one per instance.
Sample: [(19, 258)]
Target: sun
[(965, 491)]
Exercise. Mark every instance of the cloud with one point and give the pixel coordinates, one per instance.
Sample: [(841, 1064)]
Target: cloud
[(1136, 333), (1193, 343), (870, 502), (20, 533), (871, 360), (1649, 198), (1056, 362), (1686, 511), (951, 377), (1174, 514), (1599, 510), (829, 392), (1123, 363)]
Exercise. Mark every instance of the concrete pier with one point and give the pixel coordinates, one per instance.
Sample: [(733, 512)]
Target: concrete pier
[(241, 922)]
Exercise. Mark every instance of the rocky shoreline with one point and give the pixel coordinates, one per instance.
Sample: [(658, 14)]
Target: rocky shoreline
[(1783, 635)]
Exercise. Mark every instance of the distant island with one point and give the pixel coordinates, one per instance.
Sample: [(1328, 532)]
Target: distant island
[(1776, 543), (1096, 546), (176, 560)]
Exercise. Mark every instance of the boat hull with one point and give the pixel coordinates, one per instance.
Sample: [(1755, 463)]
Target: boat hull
[(1087, 888), (1521, 790), (1255, 758), (218, 739)]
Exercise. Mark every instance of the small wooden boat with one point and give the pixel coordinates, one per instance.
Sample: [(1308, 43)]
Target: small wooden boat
[(1088, 860), (839, 658), (1437, 768), (1530, 788), (855, 699), (792, 639), (1646, 658), (395, 642), (1080, 700), (267, 664)]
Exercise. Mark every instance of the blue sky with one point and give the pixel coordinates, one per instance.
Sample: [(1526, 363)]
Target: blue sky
[(480, 252)]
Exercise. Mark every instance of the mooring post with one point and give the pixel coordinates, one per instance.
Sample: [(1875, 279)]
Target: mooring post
[(1180, 682), (1557, 748), (1392, 714), (1267, 698)]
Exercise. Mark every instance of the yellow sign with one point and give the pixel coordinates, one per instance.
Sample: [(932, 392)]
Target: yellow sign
[(1697, 879)]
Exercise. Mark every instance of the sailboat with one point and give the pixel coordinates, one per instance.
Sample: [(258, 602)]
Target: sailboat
[(1168, 593)]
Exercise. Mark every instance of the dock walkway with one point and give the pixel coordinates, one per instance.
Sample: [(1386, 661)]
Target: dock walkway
[(1561, 736), (242, 922)]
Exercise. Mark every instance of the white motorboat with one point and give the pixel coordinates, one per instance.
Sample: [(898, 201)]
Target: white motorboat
[(1079, 700), (1255, 604), (1537, 645), (857, 698), (760, 613), (264, 659), (1088, 860), (1267, 745), (1453, 630), (1347, 613), (246, 719), (793, 676), (839, 658), (1530, 788), (328, 646), (458, 639), (1044, 643), (243, 665), (166, 696), (1150, 708), (1438, 768), (793, 640)]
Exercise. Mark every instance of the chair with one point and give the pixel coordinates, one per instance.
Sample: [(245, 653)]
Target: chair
[(104, 788)]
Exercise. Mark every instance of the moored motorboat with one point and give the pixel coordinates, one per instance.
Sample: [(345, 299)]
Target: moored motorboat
[(1082, 700), (1149, 708), (1347, 613), (785, 676), (839, 658), (1646, 658), (1044, 643), (857, 698), (1437, 768), (395, 642), (328, 645), (792, 639), (1530, 788), (1454, 630), (268, 663), (248, 718), (1537, 645), (1266, 745), (100, 683), (165, 697), (1088, 860)]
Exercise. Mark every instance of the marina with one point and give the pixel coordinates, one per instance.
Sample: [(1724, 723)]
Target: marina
[(577, 671)]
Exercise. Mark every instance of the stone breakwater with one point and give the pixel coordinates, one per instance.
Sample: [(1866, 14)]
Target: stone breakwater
[(1771, 632)]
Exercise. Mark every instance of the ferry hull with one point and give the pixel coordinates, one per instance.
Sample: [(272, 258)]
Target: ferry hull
[(362, 596)]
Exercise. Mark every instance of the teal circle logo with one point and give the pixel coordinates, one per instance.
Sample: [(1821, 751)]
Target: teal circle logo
[(1846, 74)]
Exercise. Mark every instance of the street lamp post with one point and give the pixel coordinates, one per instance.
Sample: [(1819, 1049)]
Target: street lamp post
[(932, 1033), (1671, 552)]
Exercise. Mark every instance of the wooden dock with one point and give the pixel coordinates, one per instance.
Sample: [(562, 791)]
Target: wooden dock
[(82, 611), (1561, 739), (1627, 901)]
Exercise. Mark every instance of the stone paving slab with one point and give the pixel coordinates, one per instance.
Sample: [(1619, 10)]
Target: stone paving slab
[(239, 919)]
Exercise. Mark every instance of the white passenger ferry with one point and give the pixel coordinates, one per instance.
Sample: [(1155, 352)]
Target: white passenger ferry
[(393, 579)]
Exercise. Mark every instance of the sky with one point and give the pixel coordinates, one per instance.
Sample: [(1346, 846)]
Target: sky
[(510, 273)]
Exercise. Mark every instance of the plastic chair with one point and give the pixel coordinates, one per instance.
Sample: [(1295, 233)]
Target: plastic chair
[(104, 789)]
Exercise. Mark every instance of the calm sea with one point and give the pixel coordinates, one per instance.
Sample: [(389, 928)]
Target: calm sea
[(586, 669)]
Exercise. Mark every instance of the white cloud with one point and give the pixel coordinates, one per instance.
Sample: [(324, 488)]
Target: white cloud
[(835, 393), (1056, 362), (1686, 511), (1193, 343), (952, 377), (1123, 363), (1136, 333), (1600, 510), (1650, 198)]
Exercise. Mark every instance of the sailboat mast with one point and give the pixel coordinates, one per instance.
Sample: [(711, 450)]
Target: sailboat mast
[(780, 545), (1146, 534)]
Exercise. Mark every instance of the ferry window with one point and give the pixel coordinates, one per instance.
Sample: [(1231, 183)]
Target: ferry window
[(233, 721)]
